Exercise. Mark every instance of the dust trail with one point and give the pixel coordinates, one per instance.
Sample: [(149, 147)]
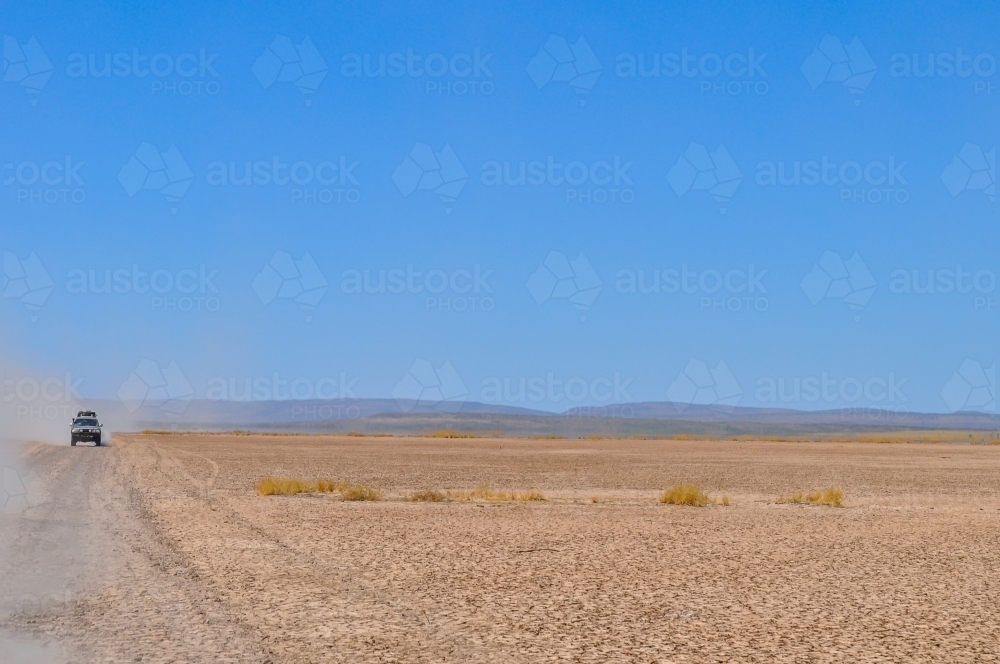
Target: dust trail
[(16, 649), (48, 533), (29, 582)]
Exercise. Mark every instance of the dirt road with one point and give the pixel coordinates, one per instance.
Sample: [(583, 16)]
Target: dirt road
[(157, 549), (89, 576)]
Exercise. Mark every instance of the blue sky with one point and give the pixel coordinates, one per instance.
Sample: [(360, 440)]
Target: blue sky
[(499, 100)]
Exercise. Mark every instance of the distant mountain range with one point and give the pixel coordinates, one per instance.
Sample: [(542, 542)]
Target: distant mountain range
[(653, 418)]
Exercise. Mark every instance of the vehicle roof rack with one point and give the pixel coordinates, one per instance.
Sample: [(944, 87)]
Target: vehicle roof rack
[(86, 413)]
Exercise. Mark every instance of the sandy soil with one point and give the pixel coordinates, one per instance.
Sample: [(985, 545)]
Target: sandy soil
[(157, 549)]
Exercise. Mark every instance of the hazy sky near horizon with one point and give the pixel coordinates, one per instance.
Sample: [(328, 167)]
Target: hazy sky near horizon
[(781, 204)]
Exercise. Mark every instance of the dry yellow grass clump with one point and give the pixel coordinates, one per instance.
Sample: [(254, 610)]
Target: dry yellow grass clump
[(360, 492), (290, 486), (484, 492), (452, 433), (428, 496), (277, 486), (684, 494), (689, 494), (833, 497)]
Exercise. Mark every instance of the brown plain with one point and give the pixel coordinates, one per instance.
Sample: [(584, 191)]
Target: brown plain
[(599, 571)]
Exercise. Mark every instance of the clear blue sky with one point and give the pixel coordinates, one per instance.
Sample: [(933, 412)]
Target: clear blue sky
[(502, 86)]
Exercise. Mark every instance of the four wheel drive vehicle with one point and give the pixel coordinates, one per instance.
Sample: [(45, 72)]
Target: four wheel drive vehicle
[(85, 429)]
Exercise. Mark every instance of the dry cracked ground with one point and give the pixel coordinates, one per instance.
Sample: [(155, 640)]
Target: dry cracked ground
[(157, 549)]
